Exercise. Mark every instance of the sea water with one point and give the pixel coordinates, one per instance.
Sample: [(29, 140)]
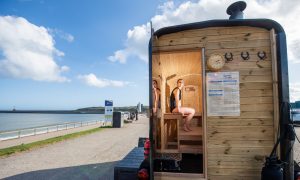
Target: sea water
[(13, 121)]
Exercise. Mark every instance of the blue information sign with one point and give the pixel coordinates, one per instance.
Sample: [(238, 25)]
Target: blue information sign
[(108, 103), (109, 110)]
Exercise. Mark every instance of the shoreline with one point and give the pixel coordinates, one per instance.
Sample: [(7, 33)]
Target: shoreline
[(50, 112)]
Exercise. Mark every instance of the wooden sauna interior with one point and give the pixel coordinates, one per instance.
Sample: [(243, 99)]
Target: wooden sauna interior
[(170, 138), (233, 147)]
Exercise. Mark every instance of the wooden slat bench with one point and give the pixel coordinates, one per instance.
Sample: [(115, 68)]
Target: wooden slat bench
[(173, 134)]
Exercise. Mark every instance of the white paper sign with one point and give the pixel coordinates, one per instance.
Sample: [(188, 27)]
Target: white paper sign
[(223, 94)]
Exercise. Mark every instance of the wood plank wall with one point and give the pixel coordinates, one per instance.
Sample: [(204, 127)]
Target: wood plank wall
[(236, 146)]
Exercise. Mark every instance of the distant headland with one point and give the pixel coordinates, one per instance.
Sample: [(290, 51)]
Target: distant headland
[(87, 110)]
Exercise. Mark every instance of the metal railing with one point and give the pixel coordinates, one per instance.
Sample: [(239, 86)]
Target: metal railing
[(19, 133)]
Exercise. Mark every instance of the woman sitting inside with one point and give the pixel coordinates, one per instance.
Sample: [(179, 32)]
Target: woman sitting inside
[(175, 106)]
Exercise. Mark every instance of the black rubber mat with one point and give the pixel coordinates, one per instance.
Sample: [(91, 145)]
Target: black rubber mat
[(192, 163)]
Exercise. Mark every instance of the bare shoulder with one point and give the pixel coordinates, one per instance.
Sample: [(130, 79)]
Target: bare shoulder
[(175, 91)]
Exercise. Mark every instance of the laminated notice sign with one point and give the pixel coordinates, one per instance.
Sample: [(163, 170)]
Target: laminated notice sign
[(223, 94)]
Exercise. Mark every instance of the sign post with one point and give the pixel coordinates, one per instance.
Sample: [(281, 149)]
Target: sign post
[(108, 111)]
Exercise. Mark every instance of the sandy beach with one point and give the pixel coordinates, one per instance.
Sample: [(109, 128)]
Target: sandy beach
[(88, 157)]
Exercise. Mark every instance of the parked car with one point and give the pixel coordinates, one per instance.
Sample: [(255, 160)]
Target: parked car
[(126, 115)]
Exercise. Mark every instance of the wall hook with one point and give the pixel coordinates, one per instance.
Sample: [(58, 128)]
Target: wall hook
[(262, 55), (228, 56), (245, 56)]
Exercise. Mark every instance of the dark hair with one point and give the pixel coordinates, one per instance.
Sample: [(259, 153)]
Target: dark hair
[(179, 80)]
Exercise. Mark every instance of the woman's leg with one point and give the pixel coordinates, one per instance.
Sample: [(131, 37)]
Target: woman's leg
[(190, 112), (184, 119)]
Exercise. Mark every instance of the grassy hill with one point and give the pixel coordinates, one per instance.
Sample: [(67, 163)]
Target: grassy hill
[(100, 110)]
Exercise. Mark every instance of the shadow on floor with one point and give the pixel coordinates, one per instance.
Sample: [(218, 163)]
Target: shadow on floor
[(101, 171)]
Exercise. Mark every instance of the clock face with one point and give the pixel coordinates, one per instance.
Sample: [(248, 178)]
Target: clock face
[(215, 62)]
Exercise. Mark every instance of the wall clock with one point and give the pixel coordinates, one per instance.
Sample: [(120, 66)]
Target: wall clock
[(215, 62)]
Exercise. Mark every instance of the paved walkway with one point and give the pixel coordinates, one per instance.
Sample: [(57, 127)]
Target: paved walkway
[(89, 157), (297, 146)]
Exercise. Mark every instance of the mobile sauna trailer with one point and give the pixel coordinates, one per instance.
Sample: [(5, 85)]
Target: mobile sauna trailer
[(235, 77)]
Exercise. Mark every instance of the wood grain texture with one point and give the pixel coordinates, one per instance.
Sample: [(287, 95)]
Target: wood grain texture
[(236, 145)]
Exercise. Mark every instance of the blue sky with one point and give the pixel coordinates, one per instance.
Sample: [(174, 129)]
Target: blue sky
[(71, 54), (98, 28)]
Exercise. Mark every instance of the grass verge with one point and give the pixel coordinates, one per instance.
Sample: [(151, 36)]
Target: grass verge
[(25, 147)]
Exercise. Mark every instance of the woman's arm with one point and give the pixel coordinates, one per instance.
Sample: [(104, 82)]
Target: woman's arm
[(178, 103), (155, 100)]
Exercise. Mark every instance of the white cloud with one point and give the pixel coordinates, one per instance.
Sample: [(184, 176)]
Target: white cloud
[(169, 14), (166, 6), (136, 45), (66, 36), (294, 92), (28, 51), (65, 68), (92, 80), (120, 55)]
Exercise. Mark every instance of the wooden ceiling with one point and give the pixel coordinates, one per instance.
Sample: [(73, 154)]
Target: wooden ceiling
[(171, 66)]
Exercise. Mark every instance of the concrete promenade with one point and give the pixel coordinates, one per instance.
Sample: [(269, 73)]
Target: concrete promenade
[(91, 156), (297, 146)]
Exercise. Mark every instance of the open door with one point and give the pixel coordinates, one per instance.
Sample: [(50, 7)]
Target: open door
[(178, 113)]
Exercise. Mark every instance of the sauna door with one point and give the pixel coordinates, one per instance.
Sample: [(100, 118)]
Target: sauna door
[(172, 138)]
